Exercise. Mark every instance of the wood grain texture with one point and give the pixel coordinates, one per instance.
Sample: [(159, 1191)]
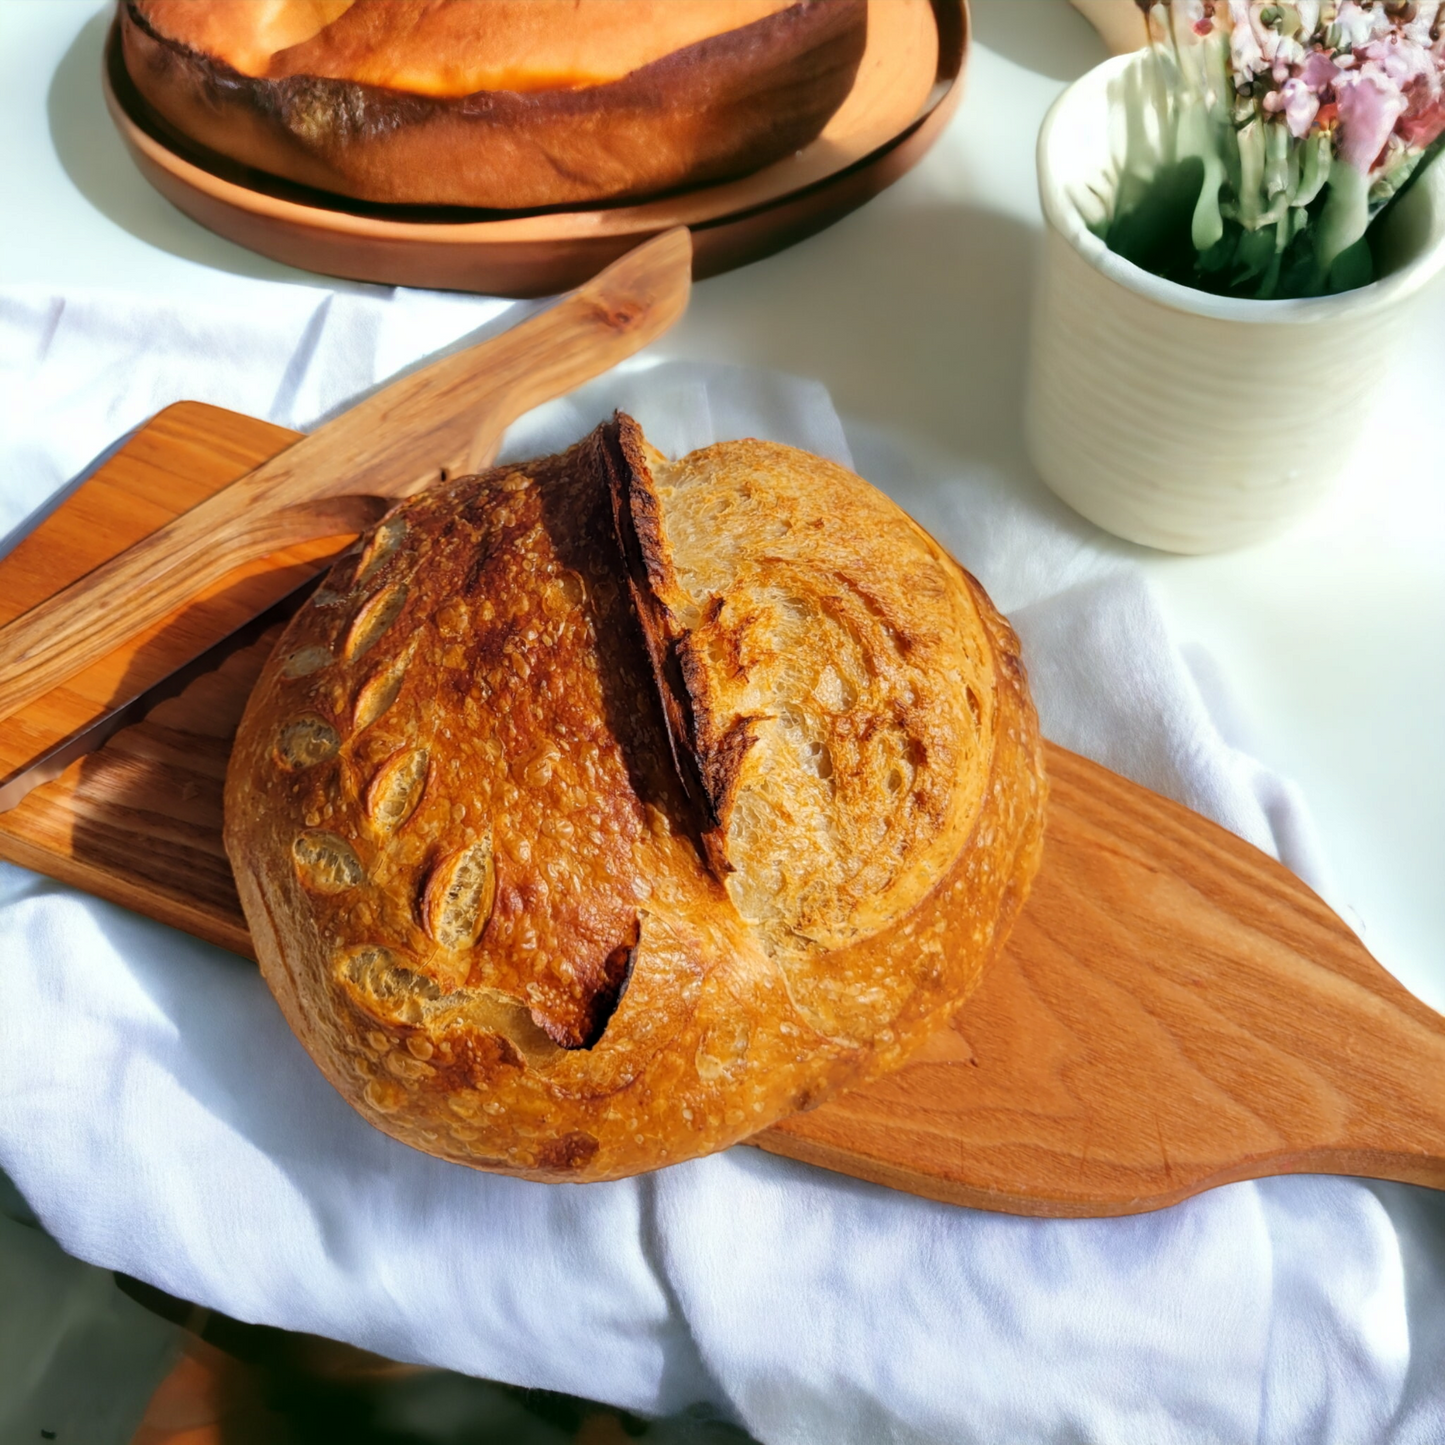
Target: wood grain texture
[(445, 418), (908, 85), (1174, 1009), (178, 459)]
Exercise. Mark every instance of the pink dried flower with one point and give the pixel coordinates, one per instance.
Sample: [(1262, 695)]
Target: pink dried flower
[(1401, 59), (1245, 53), (1369, 107), (1318, 71), (1299, 103), (1358, 25)]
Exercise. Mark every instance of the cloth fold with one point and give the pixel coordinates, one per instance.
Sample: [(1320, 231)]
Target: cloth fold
[(161, 1120)]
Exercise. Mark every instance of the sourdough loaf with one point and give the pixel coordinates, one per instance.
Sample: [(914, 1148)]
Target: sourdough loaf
[(495, 103), (597, 812)]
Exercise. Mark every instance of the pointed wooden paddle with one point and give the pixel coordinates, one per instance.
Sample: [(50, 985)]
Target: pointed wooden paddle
[(1173, 1010)]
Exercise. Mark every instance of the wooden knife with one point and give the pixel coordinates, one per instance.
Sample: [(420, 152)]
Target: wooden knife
[(442, 420)]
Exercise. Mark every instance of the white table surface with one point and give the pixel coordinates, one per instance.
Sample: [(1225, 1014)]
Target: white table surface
[(914, 312)]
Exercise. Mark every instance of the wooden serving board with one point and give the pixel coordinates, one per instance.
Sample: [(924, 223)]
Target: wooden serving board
[(1173, 1011)]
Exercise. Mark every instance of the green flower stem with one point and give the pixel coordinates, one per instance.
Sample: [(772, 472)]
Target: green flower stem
[(1346, 213)]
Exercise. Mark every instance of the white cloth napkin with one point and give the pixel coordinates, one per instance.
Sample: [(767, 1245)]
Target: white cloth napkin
[(161, 1120)]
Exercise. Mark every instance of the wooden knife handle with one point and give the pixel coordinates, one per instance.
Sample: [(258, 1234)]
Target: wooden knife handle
[(442, 420)]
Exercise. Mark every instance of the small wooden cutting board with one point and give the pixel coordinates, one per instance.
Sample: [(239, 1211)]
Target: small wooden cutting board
[(1173, 1011)]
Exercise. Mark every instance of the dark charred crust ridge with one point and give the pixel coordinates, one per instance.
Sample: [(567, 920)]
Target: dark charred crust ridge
[(708, 768), (648, 569)]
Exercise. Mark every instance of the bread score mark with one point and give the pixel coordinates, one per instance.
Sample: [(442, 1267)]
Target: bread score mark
[(708, 766), (606, 995)]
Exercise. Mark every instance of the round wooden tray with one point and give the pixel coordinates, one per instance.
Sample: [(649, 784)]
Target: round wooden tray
[(907, 87)]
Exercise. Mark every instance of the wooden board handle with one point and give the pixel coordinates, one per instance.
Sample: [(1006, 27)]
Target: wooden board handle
[(441, 420)]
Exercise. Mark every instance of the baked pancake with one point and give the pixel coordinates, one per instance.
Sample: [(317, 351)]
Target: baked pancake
[(495, 103)]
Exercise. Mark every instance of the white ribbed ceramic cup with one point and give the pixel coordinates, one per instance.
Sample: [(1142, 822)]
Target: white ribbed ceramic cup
[(1186, 421)]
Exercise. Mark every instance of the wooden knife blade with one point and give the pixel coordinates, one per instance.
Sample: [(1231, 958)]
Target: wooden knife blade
[(441, 420), (54, 760)]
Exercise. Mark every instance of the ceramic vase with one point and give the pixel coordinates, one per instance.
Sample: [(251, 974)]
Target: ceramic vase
[(1183, 420)]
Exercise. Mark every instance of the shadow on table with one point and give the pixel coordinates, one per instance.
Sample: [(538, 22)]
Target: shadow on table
[(91, 1356), (94, 157), (1046, 36), (914, 315), (243, 1384)]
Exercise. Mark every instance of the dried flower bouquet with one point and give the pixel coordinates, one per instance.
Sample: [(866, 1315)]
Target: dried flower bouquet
[(1264, 139)]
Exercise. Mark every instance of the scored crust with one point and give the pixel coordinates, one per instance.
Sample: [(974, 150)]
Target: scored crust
[(552, 102), (597, 812)]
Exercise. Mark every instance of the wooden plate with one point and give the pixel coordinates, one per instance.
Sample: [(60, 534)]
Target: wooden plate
[(908, 86)]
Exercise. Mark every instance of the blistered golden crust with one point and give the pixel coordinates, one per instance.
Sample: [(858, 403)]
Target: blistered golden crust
[(456, 47), (507, 927), (369, 104)]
